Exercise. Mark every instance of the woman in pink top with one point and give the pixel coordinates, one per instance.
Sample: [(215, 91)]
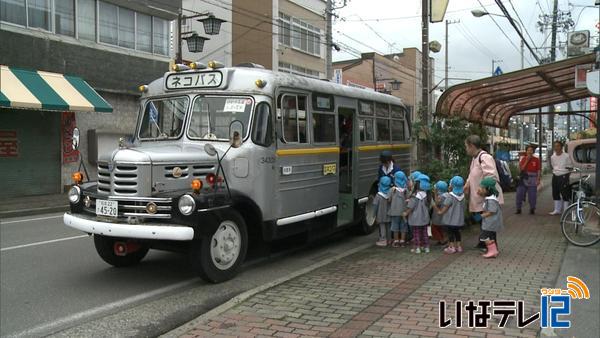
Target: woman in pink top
[(482, 165)]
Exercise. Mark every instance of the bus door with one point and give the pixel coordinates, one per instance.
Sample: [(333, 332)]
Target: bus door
[(346, 134)]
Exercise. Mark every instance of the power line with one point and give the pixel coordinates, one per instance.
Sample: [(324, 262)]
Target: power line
[(522, 23), (463, 30), (499, 27)]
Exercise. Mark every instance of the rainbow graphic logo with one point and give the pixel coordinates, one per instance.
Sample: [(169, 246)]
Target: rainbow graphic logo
[(556, 303)]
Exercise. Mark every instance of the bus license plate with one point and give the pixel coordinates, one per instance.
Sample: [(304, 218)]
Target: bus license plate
[(107, 208)]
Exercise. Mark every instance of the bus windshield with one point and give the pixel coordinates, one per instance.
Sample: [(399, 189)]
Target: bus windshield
[(211, 116), (164, 118)]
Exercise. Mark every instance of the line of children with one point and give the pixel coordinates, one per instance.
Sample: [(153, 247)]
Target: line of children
[(405, 203)]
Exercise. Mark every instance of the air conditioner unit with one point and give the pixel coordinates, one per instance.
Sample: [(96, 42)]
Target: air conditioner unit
[(578, 43)]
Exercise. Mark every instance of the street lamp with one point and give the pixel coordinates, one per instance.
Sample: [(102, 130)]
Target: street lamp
[(195, 43), (479, 13), (212, 26)]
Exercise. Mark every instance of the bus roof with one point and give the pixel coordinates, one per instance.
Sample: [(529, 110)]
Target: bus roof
[(242, 80)]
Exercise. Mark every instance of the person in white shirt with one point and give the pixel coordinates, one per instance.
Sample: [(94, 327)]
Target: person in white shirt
[(559, 161)]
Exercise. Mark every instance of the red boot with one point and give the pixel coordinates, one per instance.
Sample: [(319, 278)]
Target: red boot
[(492, 250)]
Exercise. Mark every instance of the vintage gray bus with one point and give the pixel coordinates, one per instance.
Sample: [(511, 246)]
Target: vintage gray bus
[(221, 156)]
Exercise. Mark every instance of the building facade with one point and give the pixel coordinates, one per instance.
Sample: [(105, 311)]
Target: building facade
[(113, 45), (396, 74)]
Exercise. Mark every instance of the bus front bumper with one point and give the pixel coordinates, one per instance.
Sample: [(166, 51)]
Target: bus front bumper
[(142, 231)]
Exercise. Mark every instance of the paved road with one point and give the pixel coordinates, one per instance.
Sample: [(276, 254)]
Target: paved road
[(52, 280)]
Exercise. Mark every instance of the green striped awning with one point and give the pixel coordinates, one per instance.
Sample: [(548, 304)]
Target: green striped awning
[(20, 88)]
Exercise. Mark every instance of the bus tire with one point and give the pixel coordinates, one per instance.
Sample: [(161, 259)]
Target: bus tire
[(367, 222), (105, 248), (218, 257)]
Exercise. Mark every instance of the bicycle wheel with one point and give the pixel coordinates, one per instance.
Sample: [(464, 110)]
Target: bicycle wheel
[(582, 229)]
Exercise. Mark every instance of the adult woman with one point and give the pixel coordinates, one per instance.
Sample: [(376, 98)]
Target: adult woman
[(482, 165), (560, 178), (530, 176), (388, 167)]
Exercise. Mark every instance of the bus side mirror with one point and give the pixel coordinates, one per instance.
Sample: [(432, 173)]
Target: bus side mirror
[(75, 138), (236, 130)]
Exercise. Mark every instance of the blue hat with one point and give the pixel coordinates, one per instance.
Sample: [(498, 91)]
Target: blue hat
[(457, 184), (400, 179), (414, 175), (424, 182), (384, 184), (441, 186)]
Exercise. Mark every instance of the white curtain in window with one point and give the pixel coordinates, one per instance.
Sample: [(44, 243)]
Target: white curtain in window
[(86, 19), (126, 28), (13, 11), (108, 18), (38, 12), (144, 32), (160, 36), (64, 17)]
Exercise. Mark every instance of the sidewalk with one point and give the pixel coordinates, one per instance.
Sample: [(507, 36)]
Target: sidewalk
[(393, 293), (32, 205)]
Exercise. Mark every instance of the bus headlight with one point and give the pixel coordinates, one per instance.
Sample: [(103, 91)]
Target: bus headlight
[(74, 194), (187, 204)]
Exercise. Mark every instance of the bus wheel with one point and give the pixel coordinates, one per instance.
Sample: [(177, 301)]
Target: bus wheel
[(217, 258), (107, 248), (367, 222)]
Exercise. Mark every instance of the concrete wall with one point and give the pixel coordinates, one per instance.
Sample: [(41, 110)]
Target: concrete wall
[(120, 122), (102, 68)]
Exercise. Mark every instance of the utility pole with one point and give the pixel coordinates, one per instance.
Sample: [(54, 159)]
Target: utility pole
[(329, 42), (552, 59), (424, 72), (446, 52)]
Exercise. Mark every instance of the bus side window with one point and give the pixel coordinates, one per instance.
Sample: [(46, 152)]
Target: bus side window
[(262, 130), (294, 117)]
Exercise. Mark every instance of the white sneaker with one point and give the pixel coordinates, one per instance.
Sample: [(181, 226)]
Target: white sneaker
[(426, 250), (554, 213), (417, 250)]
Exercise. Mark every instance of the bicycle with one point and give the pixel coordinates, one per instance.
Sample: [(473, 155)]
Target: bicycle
[(580, 221)]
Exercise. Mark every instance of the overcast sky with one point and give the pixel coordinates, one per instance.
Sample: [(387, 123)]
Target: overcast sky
[(473, 42)]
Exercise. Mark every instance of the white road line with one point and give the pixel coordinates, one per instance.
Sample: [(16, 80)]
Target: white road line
[(42, 243), (31, 219), (62, 323)]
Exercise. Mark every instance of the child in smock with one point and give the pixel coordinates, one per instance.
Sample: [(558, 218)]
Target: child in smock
[(440, 191), (399, 193), (381, 204), (417, 211), (492, 216), (453, 214)]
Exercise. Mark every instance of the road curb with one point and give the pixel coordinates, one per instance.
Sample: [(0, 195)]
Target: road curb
[(32, 211), (247, 294)]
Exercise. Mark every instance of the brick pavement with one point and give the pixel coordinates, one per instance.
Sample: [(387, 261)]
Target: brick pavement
[(393, 293)]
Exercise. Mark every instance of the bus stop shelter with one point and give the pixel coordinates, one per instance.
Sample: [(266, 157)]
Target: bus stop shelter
[(492, 101)]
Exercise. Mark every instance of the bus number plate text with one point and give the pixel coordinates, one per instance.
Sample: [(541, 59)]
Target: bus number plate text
[(107, 208), (329, 169)]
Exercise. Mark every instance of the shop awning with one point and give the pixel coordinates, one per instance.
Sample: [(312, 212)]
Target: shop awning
[(29, 89), (492, 101)]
